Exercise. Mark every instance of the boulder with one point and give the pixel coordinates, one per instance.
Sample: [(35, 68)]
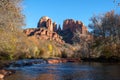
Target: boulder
[(4, 73), (63, 60)]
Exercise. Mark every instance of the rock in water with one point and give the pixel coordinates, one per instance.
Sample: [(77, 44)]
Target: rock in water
[(1, 76)]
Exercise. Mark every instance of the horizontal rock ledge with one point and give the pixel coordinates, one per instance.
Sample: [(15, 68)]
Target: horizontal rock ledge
[(63, 60)]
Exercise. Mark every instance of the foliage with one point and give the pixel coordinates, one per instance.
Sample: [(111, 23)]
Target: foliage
[(64, 54), (50, 49), (106, 32), (11, 21), (81, 44), (14, 44), (76, 38), (10, 15)]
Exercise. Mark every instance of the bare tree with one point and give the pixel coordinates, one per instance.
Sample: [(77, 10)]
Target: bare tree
[(11, 14), (106, 31), (11, 21)]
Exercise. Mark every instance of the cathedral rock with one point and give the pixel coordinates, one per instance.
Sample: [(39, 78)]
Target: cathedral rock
[(74, 25), (46, 22), (69, 28), (45, 30)]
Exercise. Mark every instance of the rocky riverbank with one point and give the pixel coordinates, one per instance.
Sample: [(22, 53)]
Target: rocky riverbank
[(3, 69), (5, 72), (29, 62), (63, 60)]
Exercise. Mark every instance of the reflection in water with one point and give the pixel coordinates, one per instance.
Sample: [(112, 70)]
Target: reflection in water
[(47, 77), (68, 71)]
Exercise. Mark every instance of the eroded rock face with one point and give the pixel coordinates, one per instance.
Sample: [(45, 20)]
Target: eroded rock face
[(63, 60), (42, 21), (54, 27), (44, 34), (46, 30), (47, 23), (4, 73), (69, 27), (74, 25)]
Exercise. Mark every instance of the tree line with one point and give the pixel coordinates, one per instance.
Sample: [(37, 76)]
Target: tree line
[(105, 37), (14, 44)]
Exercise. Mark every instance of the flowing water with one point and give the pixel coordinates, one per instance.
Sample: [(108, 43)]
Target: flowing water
[(67, 71)]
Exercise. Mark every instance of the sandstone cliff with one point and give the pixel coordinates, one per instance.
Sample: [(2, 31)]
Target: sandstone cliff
[(47, 23), (46, 31), (74, 25), (69, 28)]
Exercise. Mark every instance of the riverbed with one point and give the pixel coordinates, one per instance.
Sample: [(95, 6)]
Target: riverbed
[(67, 71)]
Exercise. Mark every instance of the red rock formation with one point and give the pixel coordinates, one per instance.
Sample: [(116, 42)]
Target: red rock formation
[(4, 73), (59, 29), (69, 24), (69, 27), (47, 23), (54, 27), (42, 21), (74, 25), (45, 34), (63, 60), (47, 30), (29, 31)]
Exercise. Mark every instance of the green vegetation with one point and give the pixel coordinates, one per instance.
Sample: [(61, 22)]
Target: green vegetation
[(14, 44), (106, 35), (105, 38), (11, 21)]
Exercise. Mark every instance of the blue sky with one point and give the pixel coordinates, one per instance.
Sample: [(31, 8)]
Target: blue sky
[(59, 10)]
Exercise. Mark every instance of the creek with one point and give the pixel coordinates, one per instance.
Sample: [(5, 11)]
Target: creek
[(40, 70)]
